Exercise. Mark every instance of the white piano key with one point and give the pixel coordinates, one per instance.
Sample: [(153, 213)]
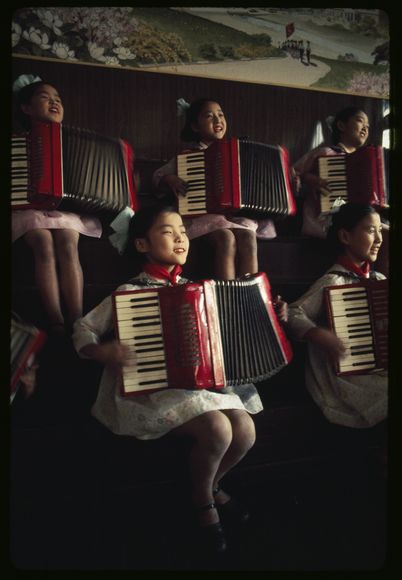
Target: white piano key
[(355, 367), (139, 327)]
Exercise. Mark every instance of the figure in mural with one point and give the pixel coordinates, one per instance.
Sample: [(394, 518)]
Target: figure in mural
[(308, 51)]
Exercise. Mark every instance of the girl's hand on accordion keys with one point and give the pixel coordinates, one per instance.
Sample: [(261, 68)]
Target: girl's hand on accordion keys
[(113, 354), (327, 341), (315, 183), (176, 184)]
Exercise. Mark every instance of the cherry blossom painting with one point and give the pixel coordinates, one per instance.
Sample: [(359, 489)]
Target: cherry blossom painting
[(332, 49)]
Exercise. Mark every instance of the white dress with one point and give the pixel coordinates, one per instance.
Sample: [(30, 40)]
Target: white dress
[(352, 400), (151, 415)]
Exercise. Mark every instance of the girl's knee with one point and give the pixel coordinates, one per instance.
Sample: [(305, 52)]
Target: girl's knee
[(243, 429), (67, 247), (41, 244), (216, 433), (224, 241), (246, 241)]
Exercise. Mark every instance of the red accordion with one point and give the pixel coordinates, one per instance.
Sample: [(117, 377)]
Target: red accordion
[(235, 176), (358, 314), (54, 166), (26, 341), (202, 335), (361, 176)]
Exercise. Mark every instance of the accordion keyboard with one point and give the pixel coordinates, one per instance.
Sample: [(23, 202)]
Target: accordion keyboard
[(19, 172), (139, 323), (191, 168), (352, 324), (333, 170)]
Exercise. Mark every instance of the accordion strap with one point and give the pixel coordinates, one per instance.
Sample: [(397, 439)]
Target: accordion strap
[(151, 283), (142, 282), (372, 274), (343, 273)]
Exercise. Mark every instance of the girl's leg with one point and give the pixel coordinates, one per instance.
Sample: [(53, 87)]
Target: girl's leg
[(243, 438), (246, 251), (70, 271), (223, 244), (212, 435), (41, 243)]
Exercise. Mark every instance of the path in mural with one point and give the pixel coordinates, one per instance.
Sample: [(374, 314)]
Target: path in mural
[(283, 71), (329, 43)]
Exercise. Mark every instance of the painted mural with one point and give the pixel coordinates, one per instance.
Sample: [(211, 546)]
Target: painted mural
[(332, 49)]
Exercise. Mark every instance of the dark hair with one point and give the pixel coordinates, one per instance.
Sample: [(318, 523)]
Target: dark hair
[(23, 97), (192, 113), (140, 224), (344, 115), (346, 218)]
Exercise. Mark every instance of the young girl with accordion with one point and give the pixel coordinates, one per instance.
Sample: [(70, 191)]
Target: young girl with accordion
[(352, 399), (217, 421)]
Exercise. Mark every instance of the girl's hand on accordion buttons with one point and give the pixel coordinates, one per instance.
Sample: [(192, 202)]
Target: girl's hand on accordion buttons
[(281, 308), (176, 184)]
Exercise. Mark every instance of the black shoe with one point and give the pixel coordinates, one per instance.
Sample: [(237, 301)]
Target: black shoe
[(212, 536), (232, 511)]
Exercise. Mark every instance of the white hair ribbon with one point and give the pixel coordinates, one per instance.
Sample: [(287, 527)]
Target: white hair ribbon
[(329, 121), (120, 225), (23, 81), (182, 107)]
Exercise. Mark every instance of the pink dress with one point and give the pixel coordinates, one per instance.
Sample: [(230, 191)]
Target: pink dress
[(199, 226), (24, 220)]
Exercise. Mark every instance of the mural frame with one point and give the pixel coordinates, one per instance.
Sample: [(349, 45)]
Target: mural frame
[(182, 41)]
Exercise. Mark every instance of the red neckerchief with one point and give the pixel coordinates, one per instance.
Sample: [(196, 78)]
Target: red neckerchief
[(346, 262), (161, 273)]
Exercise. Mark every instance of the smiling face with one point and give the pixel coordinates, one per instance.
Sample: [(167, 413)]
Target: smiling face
[(166, 243), (211, 123), (363, 242), (355, 131), (45, 105)]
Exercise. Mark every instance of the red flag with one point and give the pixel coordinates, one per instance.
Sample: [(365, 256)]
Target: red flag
[(290, 28)]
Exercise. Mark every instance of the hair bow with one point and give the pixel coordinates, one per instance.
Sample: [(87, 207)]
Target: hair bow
[(23, 81), (329, 121), (182, 107), (336, 205), (120, 225)]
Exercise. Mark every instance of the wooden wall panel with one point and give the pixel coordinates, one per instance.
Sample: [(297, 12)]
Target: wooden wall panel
[(140, 106)]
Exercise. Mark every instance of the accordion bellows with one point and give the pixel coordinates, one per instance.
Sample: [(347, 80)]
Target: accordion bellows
[(69, 168)]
